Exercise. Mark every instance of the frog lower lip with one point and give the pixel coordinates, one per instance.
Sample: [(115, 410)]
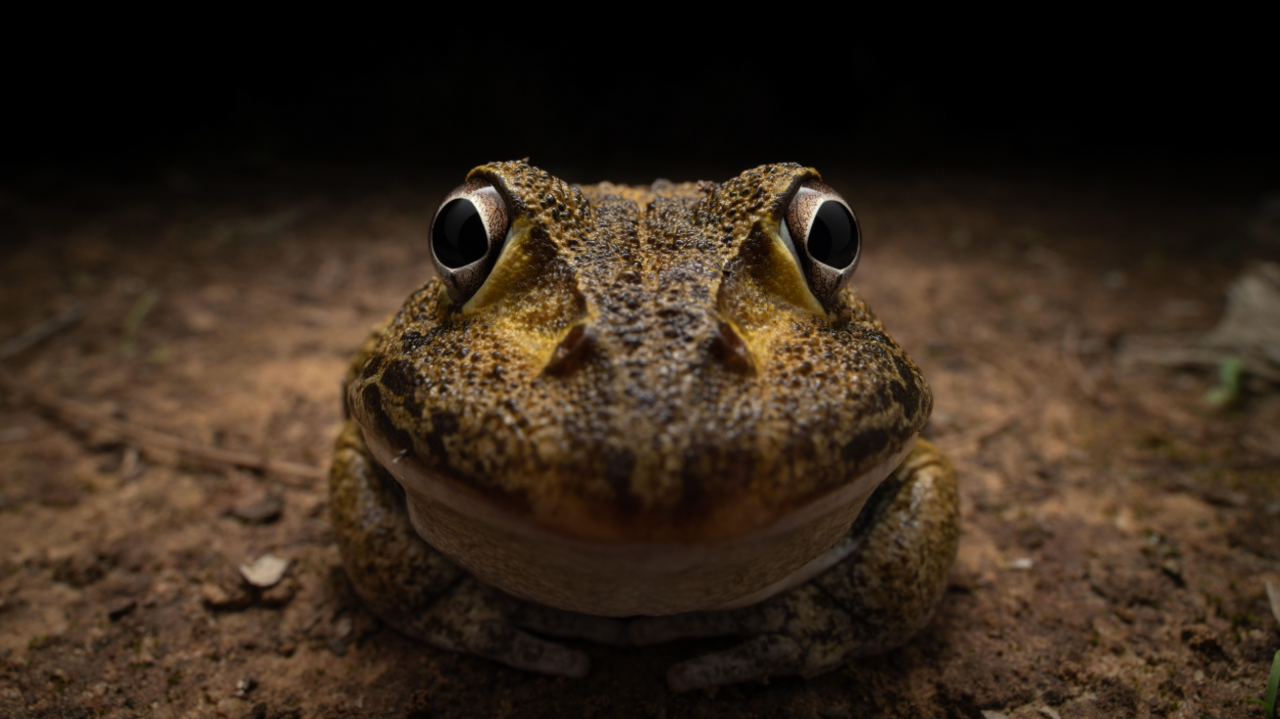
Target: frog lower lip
[(618, 578)]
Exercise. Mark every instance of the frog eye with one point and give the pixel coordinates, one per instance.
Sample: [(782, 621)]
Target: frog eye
[(467, 235), (826, 238)]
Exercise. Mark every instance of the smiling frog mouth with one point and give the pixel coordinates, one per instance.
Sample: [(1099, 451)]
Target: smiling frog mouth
[(738, 517), (577, 559)]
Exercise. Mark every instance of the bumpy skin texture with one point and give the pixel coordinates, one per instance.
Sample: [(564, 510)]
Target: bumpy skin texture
[(646, 364), (642, 365)]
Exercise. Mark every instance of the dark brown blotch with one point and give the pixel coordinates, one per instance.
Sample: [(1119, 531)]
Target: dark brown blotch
[(876, 337), (619, 463), (412, 340), (865, 445), (694, 503), (736, 474), (371, 401), (399, 379), (906, 396), (371, 367), (412, 406), (710, 473), (443, 422), (435, 445), (907, 392)]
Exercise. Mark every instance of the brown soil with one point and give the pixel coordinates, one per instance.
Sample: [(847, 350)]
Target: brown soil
[(1117, 533)]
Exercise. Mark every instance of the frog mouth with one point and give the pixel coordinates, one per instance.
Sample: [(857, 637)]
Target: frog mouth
[(586, 572)]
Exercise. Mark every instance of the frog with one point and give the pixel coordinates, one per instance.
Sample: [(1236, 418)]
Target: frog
[(629, 415)]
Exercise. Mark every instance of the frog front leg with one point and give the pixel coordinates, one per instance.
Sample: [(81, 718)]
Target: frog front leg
[(897, 556), (422, 594)]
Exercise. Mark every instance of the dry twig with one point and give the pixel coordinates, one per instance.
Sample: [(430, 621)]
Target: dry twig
[(42, 331), (1023, 379), (1249, 332), (1273, 598), (976, 437), (75, 412), (1075, 368)]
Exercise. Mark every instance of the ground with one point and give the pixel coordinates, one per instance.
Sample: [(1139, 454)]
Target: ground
[(1117, 532)]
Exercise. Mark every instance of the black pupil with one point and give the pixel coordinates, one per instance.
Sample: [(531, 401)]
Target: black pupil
[(833, 238), (459, 237)]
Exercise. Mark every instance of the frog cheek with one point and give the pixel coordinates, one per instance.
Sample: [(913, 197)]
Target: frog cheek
[(467, 236), (826, 237)]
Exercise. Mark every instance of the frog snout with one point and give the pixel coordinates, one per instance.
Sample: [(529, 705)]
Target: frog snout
[(721, 346)]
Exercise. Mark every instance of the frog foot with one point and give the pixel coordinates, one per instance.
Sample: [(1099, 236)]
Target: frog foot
[(896, 557), (422, 594)]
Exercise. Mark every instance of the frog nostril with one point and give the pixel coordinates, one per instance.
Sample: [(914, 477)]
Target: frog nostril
[(571, 351), (728, 347)]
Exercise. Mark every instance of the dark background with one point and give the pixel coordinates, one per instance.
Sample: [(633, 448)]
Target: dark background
[(1191, 107)]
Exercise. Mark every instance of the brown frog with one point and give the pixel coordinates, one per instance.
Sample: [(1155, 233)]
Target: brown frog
[(634, 414)]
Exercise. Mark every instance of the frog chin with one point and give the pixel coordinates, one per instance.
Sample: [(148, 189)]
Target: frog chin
[(529, 560)]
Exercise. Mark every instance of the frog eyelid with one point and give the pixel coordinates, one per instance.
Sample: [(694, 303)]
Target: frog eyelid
[(468, 232), (830, 238)]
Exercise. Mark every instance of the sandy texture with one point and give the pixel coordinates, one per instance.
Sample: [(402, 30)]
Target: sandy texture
[(1116, 532)]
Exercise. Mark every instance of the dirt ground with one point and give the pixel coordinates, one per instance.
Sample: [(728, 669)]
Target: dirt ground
[(1116, 535)]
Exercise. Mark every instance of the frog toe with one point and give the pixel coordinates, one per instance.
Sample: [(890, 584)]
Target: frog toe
[(508, 645), (570, 625), (760, 657), (473, 618)]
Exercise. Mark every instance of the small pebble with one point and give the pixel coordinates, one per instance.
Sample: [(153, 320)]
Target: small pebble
[(266, 571), (245, 685), (14, 434), (1022, 563), (119, 608), (264, 511), (279, 595), (218, 598)]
